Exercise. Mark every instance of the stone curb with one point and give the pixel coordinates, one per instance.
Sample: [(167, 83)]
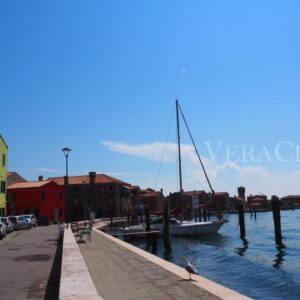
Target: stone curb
[(75, 280), (201, 282)]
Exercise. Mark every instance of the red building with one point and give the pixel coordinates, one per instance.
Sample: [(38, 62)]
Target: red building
[(41, 198)]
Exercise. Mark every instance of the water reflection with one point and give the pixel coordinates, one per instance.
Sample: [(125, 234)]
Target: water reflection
[(215, 239), (241, 250), (279, 257)]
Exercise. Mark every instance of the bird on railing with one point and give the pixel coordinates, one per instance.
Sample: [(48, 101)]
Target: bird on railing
[(189, 267)]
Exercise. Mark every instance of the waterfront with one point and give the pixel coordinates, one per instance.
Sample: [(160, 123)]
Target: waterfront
[(255, 267)]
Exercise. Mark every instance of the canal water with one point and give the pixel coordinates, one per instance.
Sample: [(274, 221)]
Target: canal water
[(255, 267)]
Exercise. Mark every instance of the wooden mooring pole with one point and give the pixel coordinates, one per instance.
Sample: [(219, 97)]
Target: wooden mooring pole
[(275, 204), (204, 214), (166, 224), (199, 214), (242, 220), (154, 242), (147, 219)]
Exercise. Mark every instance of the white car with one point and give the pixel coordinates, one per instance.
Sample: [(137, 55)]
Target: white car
[(2, 230), (9, 225), (19, 222), (31, 219)]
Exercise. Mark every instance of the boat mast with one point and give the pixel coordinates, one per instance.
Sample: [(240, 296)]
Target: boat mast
[(196, 150), (179, 153)]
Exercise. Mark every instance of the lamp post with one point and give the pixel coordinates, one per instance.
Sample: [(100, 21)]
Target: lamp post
[(66, 152)]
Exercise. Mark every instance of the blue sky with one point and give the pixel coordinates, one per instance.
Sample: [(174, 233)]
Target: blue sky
[(102, 77)]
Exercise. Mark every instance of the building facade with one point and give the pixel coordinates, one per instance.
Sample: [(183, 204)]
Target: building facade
[(186, 206), (97, 195), (257, 202), (290, 202), (3, 175), (42, 198), (154, 200)]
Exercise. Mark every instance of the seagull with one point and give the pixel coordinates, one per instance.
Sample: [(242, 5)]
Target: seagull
[(189, 267)]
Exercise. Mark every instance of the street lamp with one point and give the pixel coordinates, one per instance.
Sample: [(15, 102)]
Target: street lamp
[(66, 152)]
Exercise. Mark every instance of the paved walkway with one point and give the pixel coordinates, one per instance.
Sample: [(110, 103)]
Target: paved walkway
[(28, 268), (119, 273)]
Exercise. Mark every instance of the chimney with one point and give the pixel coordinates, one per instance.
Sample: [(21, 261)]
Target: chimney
[(92, 176), (41, 178)]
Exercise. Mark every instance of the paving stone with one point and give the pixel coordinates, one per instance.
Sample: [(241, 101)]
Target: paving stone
[(121, 274)]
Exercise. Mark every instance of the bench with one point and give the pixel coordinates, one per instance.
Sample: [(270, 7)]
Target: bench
[(85, 232)]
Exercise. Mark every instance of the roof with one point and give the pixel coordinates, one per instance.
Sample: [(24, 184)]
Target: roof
[(221, 194), (1, 138), (28, 184), (257, 196), (149, 193), (291, 197), (14, 177), (192, 193), (257, 200), (85, 179), (15, 173)]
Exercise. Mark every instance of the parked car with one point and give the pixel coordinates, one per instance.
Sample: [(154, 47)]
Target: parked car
[(31, 219), (2, 230), (9, 225), (43, 220), (19, 222)]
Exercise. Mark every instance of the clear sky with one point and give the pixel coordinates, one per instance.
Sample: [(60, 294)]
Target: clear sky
[(102, 77)]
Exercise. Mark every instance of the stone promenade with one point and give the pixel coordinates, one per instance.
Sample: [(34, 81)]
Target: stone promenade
[(119, 273)]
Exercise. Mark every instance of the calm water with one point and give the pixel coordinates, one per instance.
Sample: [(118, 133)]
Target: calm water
[(256, 267)]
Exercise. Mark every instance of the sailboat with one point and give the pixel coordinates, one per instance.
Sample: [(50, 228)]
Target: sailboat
[(191, 227), (177, 227)]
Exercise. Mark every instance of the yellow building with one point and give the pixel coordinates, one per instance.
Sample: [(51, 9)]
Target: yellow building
[(3, 175)]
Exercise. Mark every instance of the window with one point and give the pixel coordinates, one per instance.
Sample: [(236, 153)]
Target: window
[(2, 187), (3, 160), (43, 195)]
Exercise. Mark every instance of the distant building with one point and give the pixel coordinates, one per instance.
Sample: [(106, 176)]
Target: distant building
[(153, 199), (220, 201), (97, 194), (258, 201), (291, 201), (14, 177), (185, 206), (3, 175), (41, 198)]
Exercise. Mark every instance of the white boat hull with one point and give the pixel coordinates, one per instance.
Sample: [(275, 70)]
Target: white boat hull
[(191, 228), (181, 229)]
